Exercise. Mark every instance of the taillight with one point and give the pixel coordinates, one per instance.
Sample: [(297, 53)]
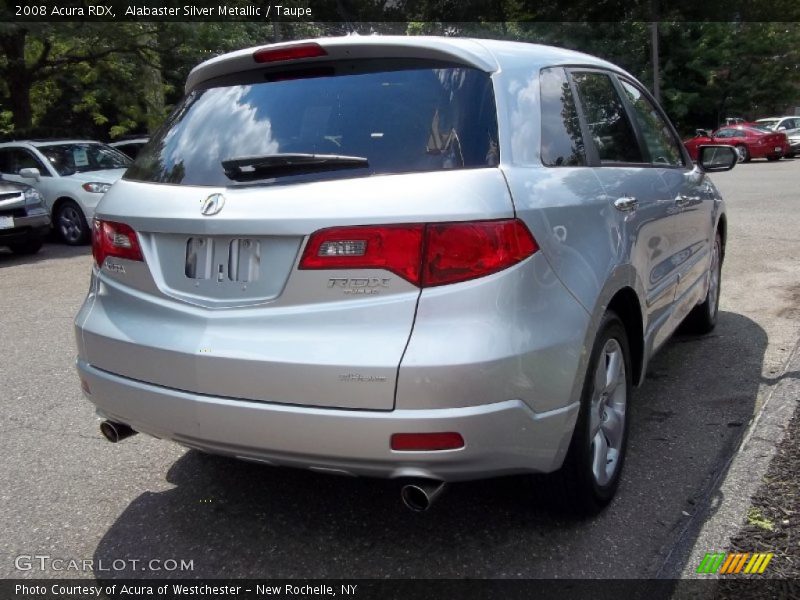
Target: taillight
[(426, 255), (426, 442), (396, 248), (461, 251), (114, 239), (293, 52)]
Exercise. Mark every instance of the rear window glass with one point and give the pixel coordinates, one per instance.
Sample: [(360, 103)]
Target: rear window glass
[(399, 117)]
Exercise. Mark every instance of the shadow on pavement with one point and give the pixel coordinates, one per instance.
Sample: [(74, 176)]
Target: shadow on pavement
[(236, 519), (50, 251)]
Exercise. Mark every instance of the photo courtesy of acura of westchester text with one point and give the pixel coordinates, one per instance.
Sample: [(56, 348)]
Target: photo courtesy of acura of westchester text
[(357, 301)]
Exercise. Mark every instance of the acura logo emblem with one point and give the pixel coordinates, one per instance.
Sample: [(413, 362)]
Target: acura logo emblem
[(212, 205)]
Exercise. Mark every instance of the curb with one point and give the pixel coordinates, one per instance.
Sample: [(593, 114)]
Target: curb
[(741, 478)]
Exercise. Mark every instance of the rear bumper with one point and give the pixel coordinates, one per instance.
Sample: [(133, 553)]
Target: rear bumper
[(500, 438)]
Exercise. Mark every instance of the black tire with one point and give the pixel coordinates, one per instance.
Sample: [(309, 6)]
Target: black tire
[(773, 157), (703, 317), (581, 490), (743, 152), (70, 223), (29, 246)]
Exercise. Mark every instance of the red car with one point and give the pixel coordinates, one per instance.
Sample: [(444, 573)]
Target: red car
[(750, 141)]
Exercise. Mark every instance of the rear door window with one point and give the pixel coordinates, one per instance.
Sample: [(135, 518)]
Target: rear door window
[(400, 116), (606, 119)]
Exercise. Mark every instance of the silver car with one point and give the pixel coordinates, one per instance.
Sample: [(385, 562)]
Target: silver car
[(427, 259), (788, 125)]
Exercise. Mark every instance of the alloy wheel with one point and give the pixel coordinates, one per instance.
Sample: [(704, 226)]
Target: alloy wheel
[(607, 412)]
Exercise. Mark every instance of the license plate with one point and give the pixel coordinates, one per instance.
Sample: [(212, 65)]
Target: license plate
[(777, 148), (6, 222)]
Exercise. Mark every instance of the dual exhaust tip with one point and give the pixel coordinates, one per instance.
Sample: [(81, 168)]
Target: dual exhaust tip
[(417, 495)]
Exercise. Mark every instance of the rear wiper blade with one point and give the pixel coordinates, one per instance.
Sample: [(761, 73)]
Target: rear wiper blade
[(242, 168)]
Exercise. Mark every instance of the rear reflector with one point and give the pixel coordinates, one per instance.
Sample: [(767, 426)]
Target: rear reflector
[(295, 52), (425, 255), (421, 442), (114, 239)]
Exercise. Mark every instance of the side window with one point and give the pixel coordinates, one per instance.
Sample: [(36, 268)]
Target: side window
[(12, 160), (606, 118), (562, 141), (661, 145), (5, 161), (725, 133)]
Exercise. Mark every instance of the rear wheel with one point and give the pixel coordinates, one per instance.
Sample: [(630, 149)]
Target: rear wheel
[(743, 153), (591, 472), (703, 317), (71, 224)]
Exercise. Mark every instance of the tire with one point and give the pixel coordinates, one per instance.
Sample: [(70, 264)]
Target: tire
[(743, 152), (29, 246), (591, 472), (703, 317), (773, 157), (70, 224)]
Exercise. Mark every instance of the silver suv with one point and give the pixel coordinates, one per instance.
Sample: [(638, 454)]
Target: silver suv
[(427, 259)]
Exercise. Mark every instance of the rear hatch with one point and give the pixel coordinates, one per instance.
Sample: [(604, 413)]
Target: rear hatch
[(223, 202)]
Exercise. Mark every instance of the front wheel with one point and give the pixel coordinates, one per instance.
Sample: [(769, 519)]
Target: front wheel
[(71, 224), (591, 472), (703, 317)]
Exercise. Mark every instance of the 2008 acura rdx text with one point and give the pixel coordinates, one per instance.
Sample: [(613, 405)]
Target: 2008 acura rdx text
[(428, 259)]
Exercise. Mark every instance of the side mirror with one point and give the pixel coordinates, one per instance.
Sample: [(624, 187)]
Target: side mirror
[(713, 159), (30, 173), (701, 133)]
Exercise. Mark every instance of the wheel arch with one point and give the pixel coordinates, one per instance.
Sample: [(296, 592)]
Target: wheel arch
[(722, 228), (625, 303)]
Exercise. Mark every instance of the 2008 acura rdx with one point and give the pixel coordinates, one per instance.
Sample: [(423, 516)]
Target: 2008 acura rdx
[(422, 258)]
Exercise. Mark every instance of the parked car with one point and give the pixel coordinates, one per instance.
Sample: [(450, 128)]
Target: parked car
[(130, 147), (787, 125), (426, 259), (70, 175), (749, 141), (23, 218)]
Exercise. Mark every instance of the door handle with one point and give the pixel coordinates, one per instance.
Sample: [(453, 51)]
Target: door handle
[(682, 200), (626, 203)]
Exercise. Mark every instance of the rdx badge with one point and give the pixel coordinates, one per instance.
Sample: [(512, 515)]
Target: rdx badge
[(363, 285)]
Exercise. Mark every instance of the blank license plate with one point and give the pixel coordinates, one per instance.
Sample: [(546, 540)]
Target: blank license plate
[(6, 222)]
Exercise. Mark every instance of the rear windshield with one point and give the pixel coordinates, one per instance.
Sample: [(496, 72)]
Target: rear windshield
[(400, 117)]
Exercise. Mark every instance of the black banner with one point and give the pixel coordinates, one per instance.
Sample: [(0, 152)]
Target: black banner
[(421, 589), (374, 11)]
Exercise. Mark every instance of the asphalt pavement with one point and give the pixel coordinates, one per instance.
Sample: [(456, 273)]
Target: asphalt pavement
[(71, 496)]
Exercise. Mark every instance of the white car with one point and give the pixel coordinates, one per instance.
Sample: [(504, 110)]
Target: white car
[(788, 125), (70, 175)]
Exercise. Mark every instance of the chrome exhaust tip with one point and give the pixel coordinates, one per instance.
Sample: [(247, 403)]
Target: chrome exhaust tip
[(115, 432), (420, 495)]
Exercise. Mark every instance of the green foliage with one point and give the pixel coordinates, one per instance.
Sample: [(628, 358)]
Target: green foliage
[(110, 79)]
